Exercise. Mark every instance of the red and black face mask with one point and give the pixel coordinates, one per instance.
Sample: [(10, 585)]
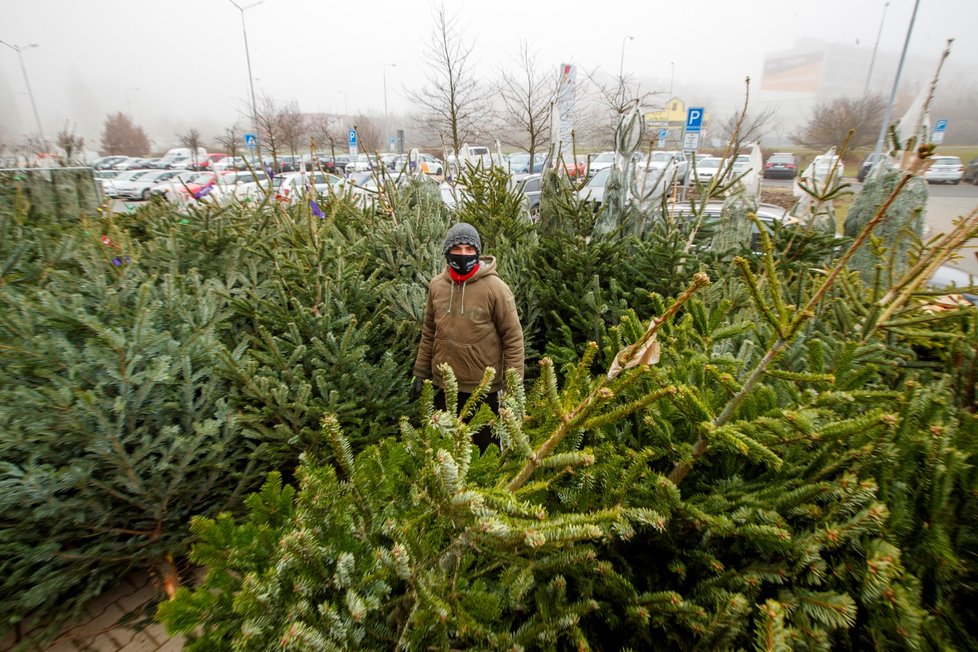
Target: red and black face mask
[(462, 263)]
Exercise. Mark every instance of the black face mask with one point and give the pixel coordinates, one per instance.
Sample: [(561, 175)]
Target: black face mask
[(462, 263)]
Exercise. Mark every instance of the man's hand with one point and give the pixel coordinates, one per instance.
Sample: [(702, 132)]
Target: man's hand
[(416, 388)]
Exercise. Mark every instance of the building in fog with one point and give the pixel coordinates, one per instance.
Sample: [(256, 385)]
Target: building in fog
[(794, 81)]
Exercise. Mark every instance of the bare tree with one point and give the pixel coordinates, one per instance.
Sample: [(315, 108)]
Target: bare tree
[(615, 98), (292, 127), (121, 136), (526, 100), (266, 123), (71, 143), (739, 129), (451, 102), (191, 140), (328, 131), (369, 137), (831, 121), (229, 140)]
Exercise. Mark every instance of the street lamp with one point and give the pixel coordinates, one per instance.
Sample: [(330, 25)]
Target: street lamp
[(27, 82), (251, 83), (387, 125), (896, 82), (346, 109), (621, 64), (672, 77), (872, 59), (128, 101)]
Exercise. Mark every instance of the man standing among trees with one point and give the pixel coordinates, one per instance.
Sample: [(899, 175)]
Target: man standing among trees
[(470, 322)]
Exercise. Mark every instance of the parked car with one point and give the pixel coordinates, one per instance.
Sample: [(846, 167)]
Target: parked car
[(705, 168), (108, 162), (673, 163), (530, 187), (781, 165), (293, 185), (646, 179), (600, 162), (140, 186), (741, 164), (768, 215), (971, 172), (866, 166), (945, 169), (823, 164), (111, 186), (185, 185), (363, 163), (520, 163), (228, 181)]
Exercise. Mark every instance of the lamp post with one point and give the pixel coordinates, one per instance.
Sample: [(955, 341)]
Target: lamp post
[(872, 59), (346, 109), (27, 82), (251, 83), (387, 125), (672, 77), (896, 82), (128, 101), (621, 63)]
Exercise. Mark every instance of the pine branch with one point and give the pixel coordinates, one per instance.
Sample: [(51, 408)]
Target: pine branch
[(791, 329), (600, 393)]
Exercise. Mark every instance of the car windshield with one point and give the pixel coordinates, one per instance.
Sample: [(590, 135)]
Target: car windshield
[(708, 163), (781, 158), (599, 179), (947, 160), (604, 157), (660, 157)]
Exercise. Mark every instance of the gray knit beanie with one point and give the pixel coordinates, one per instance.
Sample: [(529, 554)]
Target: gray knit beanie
[(463, 233)]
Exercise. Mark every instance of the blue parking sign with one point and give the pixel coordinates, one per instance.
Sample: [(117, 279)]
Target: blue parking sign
[(694, 118), (352, 138)]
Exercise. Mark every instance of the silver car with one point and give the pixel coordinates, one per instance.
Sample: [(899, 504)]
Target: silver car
[(945, 169)]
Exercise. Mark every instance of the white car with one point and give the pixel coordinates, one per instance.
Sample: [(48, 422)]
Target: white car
[(111, 186), (647, 182), (673, 163), (740, 165), (363, 163), (822, 165), (294, 184), (707, 167), (944, 169), (140, 186)]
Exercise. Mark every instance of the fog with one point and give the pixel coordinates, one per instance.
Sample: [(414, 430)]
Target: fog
[(179, 64)]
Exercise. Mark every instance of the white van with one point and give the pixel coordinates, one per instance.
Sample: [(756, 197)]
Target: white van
[(182, 157)]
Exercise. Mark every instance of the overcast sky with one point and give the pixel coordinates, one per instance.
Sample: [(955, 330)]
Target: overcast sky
[(181, 63)]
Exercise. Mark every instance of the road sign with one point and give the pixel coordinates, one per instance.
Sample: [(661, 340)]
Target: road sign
[(663, 134), (251, 141), (352, 138), (940, 126), (691, 141), (694, 119), (393, 142)]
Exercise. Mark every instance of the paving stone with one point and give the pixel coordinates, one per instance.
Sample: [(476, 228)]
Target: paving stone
[(101, 643), (138, 599), (175, 644), (141, 642), (62, 644), (122, 636), (102, 622), (157, 632)]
